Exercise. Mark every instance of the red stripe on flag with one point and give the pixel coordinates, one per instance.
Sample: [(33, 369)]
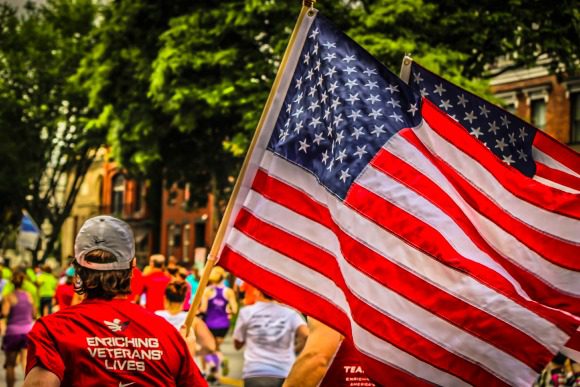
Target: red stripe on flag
[(314, 306), (557, 176), (558, 151), (431, 242), (554, 250), (519, 185), (410, 177), (302, 204), (459, 313)]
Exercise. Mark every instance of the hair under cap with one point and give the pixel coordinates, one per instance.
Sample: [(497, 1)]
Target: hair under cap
[(108, 234)]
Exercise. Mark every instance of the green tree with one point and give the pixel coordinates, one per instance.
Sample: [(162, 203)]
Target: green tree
[(463, 39), (180, 87), (49, 145), (15, 141)]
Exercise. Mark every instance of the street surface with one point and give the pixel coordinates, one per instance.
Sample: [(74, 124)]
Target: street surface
[(236, 363)]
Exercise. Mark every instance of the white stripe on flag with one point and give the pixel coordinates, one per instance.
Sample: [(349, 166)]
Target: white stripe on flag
[(566, 281), (480, 177), (544, 158), (553, 184), (314, 282), (391, 247)]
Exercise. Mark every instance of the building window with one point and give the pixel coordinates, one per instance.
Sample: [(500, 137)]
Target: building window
[(510, 101), (173, 240), (186, 241), (511, 107), (200, 234), (172, 197), (170, 240), (575, 118), (118, 195), (538, 113), (176, 237), (138, 197)]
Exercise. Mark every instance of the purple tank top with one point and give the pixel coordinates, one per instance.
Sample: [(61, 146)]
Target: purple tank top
[(20, 317), (216, 316)]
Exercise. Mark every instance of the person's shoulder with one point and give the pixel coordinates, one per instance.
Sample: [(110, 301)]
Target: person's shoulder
[(288, 310), (249, 309), (60, 319), (145, 315)]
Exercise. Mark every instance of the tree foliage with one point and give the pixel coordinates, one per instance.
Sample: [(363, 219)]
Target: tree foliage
[(176, 88), (463, 39), (43, 119)]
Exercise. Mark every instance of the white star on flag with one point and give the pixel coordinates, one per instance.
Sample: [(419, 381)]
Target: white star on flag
[(344, 175)]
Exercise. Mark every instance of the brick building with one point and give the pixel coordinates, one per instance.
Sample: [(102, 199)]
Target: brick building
[(184, 232), (540, 98)]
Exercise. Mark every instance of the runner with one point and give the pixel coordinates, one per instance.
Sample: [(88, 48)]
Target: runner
[(19, 309), (175, 295), (65, 291), (155, 282), (47, 284), (106, 340), (218, 304), (272, 334)]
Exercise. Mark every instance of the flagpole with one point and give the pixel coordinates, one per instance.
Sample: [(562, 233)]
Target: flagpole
[(405, 73), (307, 9)]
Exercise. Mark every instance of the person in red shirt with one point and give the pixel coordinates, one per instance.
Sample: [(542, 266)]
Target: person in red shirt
[(155, 282), (106, 340), (136, 285), (65, 291)]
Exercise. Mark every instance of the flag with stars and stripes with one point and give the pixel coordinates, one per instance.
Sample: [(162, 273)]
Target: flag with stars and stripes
[(367, 207), (514, 141)]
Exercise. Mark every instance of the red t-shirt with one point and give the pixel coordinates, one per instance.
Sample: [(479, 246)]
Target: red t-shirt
[(111, 343), (136, 285), (346, 370), (64, 295), (154, 285)]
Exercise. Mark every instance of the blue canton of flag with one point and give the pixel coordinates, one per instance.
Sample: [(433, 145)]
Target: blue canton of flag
[(341, 107), (507, 136)]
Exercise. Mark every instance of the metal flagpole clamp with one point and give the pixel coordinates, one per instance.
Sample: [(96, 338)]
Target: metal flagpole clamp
[(309, 4)]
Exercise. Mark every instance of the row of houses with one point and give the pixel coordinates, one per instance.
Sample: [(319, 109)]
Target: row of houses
[(186, 233)]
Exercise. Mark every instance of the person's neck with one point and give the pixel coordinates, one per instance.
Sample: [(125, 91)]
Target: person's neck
[(174, 307)]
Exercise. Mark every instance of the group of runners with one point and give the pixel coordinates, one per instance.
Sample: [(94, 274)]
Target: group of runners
[(105, 322)]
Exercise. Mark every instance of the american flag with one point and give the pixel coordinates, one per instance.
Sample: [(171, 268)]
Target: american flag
[(362, 207), (514, 141)]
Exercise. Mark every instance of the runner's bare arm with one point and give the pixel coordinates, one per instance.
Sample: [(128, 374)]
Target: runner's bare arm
[(6, 306), (204, 300), (314, 360), (231, 296), (301, 336), (34, 307), (40, 377)]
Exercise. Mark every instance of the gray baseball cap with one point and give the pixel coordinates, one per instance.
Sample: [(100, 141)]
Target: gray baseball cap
[(108, 234)]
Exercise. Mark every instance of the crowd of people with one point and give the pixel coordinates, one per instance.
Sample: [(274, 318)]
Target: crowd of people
[(104, 321), (271, 334)]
